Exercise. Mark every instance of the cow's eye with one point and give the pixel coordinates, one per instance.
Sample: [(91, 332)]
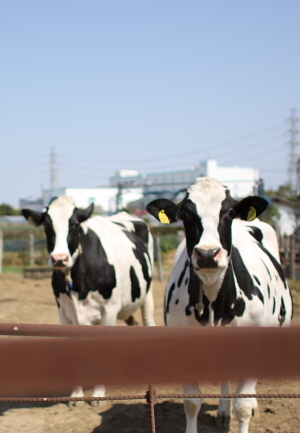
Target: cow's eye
[(231, 213), (75, 225)]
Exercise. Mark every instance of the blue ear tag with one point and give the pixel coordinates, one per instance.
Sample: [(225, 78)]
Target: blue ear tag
[(69, 286)]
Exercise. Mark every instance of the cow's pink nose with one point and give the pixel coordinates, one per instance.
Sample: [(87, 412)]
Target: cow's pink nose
[(59, 259)]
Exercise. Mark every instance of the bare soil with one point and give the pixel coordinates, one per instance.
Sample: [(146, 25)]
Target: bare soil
[(31, 301)]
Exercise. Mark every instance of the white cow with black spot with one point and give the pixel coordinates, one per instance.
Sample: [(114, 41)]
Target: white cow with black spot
[(226, 272), (102, 266)]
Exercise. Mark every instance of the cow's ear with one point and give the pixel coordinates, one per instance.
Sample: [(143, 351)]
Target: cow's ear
[(250, 207), (33, 217), (163, 210), (84, 214)]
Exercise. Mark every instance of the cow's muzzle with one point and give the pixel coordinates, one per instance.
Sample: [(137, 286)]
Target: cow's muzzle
[(59, 260), (207, 258)]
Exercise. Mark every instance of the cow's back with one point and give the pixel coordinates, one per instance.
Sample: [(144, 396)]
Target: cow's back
[(113, 271)]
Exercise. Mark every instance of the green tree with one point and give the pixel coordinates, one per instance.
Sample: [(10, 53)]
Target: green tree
[(6, 209)]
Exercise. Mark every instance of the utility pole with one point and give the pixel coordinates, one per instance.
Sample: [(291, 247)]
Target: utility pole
[(293, 156), (53, 169)]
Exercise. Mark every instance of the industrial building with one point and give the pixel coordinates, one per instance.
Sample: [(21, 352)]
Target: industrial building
[(241, 181)]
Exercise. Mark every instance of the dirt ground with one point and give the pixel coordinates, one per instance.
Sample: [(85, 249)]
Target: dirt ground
[(31, 301)]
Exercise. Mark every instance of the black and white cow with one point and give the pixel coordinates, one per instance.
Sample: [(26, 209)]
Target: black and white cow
[(102, 266), (226, 272)]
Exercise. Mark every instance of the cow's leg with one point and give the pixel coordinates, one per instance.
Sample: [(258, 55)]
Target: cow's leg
[(99, 391), (148, 308), (243, 407), (108, 317), (77, 392), (191, 407), (224, 409)]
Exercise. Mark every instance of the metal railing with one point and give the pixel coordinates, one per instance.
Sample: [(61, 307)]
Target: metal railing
[(167, 354)]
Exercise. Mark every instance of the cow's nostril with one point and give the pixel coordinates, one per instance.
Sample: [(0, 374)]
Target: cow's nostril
[(207, 257), (216, 251), (59, 259)]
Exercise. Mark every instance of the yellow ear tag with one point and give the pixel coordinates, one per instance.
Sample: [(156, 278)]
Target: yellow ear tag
[(163, 218), (251, 214)]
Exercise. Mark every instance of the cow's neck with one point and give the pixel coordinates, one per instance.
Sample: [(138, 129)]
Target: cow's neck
[(217, 300)]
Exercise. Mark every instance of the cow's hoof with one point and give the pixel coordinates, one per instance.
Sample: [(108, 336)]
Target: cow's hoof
[(255, 412), (131, 321), (223, 421), (97, 403), (76, 403)]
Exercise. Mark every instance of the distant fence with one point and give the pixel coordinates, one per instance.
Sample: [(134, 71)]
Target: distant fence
[(289, 248), (29, 252), (35, 367)]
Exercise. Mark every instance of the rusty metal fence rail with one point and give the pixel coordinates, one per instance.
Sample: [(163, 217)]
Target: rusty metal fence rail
[(167, 354)]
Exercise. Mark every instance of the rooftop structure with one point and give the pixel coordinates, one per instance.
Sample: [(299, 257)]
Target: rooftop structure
[(241, 181)]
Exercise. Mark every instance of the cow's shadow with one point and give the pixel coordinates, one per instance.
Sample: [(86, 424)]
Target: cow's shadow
[(8, 405), (169, 418)]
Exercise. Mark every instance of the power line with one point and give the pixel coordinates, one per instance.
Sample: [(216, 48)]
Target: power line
[(293, 143), (237, 140), (53, 169)]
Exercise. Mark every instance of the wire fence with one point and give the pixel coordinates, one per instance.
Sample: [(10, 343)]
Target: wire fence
[(167, 354)]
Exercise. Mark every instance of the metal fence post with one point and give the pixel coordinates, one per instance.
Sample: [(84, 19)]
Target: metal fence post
[(31, 249), (158, 256), (1, 250), (151, 400), (292, 258)]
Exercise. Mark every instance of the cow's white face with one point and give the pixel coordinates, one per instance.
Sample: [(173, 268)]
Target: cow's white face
[(204, 211), (58, 224), (207, 213), (61, 221)]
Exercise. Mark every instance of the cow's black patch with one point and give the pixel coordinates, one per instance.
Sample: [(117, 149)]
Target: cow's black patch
[(176, 302), (227, 306), (59, 284), (167, 304), (282, 312), (141, 230), (239, 307), (119, 224), (258, 293), (225, 222), (135, 287), (274, 305), (192, 224), (275, 264), (269, 273), (256, 233), (269, 291), (74, 233), (50, 233), (180, 279), (256, 279), (186, 281), (243, 277), (194, 298), (91, 271), (140, 250)]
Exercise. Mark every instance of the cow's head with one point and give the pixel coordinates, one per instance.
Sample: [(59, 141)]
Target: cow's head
[(61, 220), (207, 212)]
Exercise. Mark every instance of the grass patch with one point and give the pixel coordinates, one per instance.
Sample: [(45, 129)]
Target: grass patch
[(295, 290), (12, 270)]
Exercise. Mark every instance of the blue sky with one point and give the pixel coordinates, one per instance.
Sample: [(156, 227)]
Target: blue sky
[(151, 85)]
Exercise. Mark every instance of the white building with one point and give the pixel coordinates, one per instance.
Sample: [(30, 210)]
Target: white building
[(106, 198), (241, 181)]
